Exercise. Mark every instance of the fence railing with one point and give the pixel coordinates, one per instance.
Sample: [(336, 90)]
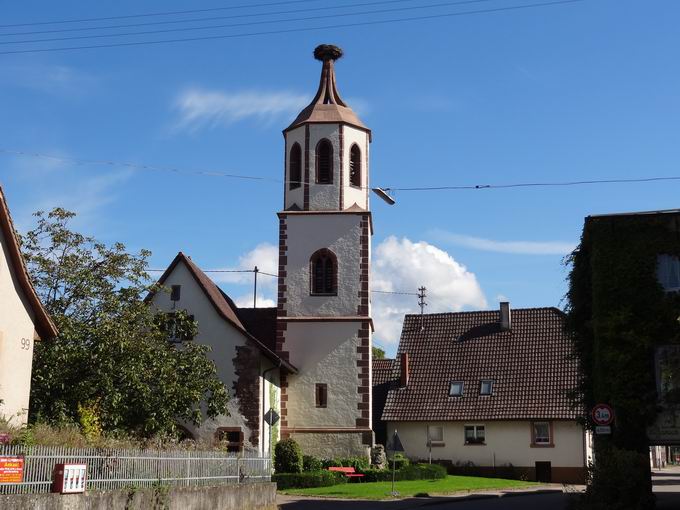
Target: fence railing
[(113, 469)]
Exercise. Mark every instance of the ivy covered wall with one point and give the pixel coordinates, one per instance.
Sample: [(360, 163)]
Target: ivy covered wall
[(618, 313)]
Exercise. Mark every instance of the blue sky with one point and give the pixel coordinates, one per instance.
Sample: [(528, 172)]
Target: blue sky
[(586, 90)]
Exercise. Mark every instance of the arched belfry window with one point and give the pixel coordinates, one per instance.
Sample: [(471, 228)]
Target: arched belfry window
[(324, 162), (295, 166), (323, 273), (355, 166)]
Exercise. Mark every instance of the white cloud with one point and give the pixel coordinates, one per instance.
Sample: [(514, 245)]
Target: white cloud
[(515, 247), (265, 256), (403, 265), (247, 302), (200, 108)]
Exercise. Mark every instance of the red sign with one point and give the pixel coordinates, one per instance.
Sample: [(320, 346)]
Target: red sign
[(11, 469), (602, 414)]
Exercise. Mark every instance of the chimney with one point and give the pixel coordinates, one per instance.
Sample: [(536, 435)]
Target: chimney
[(506, 322), (403, 379)]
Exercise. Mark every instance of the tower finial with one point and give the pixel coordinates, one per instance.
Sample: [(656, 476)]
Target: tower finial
[(325, 52)]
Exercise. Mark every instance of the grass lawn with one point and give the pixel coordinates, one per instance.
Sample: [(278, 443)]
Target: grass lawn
[(381, 490)]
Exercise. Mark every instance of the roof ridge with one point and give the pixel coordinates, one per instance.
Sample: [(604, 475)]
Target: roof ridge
[(493, 310)]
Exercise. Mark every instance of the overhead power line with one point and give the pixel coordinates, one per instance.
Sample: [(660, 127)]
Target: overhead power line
[(150, 14), (293, 30), (211, 173), (210, 18), (250, 23)]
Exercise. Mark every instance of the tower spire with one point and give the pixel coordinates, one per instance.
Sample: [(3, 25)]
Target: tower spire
[(327, 105), (328, 89)]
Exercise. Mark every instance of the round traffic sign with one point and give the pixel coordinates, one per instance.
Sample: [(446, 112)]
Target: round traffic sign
[(602, 414)]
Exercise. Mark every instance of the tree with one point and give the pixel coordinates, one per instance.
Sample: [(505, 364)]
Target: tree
[(378, 352), (112, 363)]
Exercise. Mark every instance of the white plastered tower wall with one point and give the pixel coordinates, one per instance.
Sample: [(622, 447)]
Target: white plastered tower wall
[(327, 337)]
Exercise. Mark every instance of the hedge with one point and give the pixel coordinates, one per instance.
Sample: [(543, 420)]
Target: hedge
[(287, 456), (308, 479), (410, 472)]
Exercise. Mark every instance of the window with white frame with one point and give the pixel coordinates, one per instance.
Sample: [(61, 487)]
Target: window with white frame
[(435, 435), (486, 387), (474, 434), (456, 389), (668, 272), (541, 433)]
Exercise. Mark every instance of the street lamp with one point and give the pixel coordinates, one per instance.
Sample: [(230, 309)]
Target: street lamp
[(384, 195)]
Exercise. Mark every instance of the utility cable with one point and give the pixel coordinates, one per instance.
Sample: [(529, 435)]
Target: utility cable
[(294, 30)]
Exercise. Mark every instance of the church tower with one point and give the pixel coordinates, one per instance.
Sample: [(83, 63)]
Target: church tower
[(323, 320)]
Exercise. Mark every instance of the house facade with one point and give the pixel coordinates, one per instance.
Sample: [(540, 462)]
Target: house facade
[(487, 392), (241, 342), (23, 321)]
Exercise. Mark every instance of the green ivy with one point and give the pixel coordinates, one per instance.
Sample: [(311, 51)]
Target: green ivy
[(618, 313)]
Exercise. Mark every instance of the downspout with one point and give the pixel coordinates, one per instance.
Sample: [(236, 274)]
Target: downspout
[(264, 381)]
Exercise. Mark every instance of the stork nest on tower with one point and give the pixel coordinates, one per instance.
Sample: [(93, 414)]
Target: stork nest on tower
[(327, 52)]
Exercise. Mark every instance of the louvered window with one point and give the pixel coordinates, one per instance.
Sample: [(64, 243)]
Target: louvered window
[(323, 271), (324, 162), (355, 166), (295, 166)]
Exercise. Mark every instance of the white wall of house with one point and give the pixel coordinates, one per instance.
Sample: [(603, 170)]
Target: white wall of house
[(506, 442), (17, 333), (214, 331)]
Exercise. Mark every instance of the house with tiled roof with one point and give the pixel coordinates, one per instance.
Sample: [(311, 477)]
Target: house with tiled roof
[(489, 391), (23, 321), (241, 342), (381, 384)]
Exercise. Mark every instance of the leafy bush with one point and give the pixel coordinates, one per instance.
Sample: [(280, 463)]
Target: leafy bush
[(287, 456), (358, 463), (399, 461), (309, 479), (410, 472), (311, 463)]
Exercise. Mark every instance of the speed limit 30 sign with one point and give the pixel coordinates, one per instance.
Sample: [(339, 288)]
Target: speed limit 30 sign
[(602, 414)]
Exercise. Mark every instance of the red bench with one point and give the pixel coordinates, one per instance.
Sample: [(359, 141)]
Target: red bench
[(349, 472)]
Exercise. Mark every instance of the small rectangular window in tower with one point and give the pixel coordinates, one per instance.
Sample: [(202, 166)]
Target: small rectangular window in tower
[(175, 292), (321, 395)]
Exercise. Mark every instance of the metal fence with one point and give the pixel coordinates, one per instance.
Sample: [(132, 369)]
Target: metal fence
[(113, 469)]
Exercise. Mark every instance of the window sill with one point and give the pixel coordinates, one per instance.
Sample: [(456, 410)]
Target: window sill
[(542, 445), (314, 294), (324, 183), (355, 186), (475, 444), (437, 444)]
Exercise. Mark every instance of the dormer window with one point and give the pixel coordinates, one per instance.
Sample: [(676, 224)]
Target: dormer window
[(295, 166), (668, 272), (486, 387), (355, 166), (323, 273), (324, 162), (456, 389)]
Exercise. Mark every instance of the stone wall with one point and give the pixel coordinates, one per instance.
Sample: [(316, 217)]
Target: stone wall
[(257, 496)]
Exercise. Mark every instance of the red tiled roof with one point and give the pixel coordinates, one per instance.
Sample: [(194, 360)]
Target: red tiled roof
[(531, 365), (44, 326), (224, 306), (382, 371)]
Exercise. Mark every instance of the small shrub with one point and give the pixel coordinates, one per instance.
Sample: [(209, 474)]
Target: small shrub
[(311, 463), (309, 479), (410, 472), (399, 461), (288, 456)]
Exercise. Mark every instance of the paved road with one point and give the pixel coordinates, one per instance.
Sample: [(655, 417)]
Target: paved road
[(667, 488), (555, 501)]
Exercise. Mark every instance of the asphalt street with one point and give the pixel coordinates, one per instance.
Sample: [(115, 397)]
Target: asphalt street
[(554, 501)]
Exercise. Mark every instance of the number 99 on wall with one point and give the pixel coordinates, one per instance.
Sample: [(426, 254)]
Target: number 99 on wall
[(26, 344)]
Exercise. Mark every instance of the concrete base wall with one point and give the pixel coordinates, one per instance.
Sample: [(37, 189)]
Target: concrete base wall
[(259, 496)]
